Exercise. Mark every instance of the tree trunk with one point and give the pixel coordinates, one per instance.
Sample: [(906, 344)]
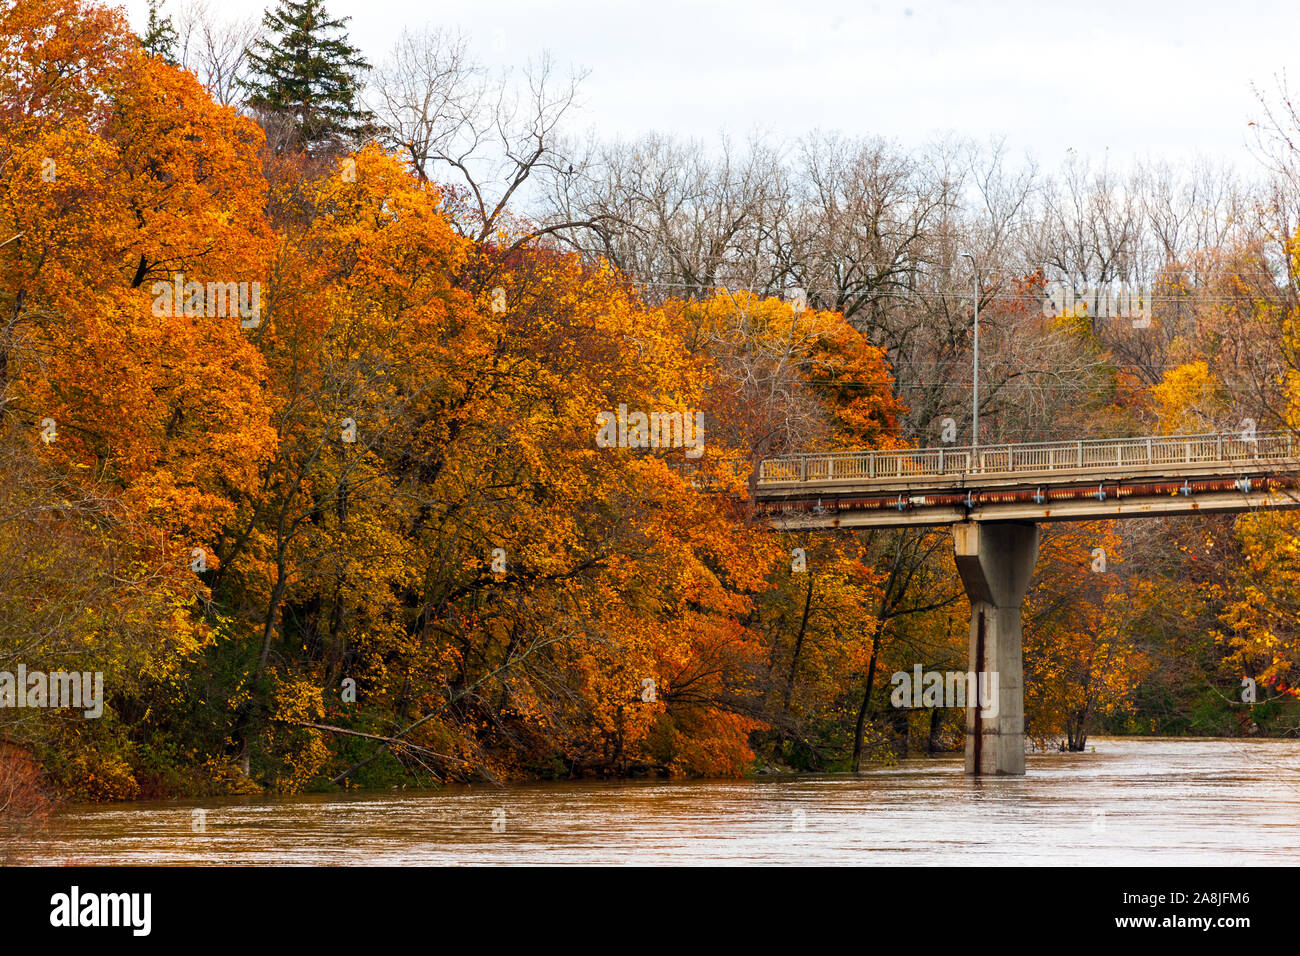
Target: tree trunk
[(932, 744), (245, 714), (798, 648), (866, 698), (902, 726)]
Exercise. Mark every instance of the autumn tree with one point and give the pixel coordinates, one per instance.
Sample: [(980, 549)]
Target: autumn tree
[(143, 411), (1079, 661)]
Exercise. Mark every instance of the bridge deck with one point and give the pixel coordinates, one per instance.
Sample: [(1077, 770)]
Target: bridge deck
[(1052, 481)]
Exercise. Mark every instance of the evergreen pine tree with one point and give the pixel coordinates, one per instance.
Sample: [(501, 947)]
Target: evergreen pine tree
[(160, 37), (303, 68)]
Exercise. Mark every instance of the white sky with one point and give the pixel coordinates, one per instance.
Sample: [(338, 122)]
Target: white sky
[(1158, 79)]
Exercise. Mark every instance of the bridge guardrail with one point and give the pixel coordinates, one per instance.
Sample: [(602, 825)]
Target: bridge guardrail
[(1024, 459)]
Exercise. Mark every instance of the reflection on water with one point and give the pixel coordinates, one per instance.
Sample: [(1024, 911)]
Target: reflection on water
[(1132, 801)]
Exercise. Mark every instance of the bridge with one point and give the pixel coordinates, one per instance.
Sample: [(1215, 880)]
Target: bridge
[(994, 497)]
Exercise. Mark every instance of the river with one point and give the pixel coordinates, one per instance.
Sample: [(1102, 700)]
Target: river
[(1132, 801)]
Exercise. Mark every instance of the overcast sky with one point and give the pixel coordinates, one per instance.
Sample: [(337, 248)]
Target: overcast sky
[(1167, 79)]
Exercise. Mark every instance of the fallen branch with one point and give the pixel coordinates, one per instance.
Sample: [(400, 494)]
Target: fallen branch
[(389, 742)]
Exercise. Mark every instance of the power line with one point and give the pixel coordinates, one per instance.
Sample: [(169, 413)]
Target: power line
[(1190, 298)]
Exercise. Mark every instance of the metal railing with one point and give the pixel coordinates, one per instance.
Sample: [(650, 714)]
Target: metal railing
[(1029, 459)]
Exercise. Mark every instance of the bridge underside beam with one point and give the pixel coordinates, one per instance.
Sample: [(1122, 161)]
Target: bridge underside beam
[(996, 561), (1079, 510)]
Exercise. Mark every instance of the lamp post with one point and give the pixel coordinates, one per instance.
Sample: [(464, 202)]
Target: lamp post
[(975, 388)]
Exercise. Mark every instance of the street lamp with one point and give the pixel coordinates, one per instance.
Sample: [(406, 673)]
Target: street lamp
[(975, 388)]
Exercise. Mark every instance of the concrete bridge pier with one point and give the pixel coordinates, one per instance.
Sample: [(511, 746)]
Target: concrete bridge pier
[(995, 561)]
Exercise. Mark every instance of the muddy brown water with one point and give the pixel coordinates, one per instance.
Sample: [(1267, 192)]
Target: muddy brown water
[(1132, 801)]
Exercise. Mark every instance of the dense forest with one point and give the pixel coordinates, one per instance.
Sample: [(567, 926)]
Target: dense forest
[(304, 362)]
